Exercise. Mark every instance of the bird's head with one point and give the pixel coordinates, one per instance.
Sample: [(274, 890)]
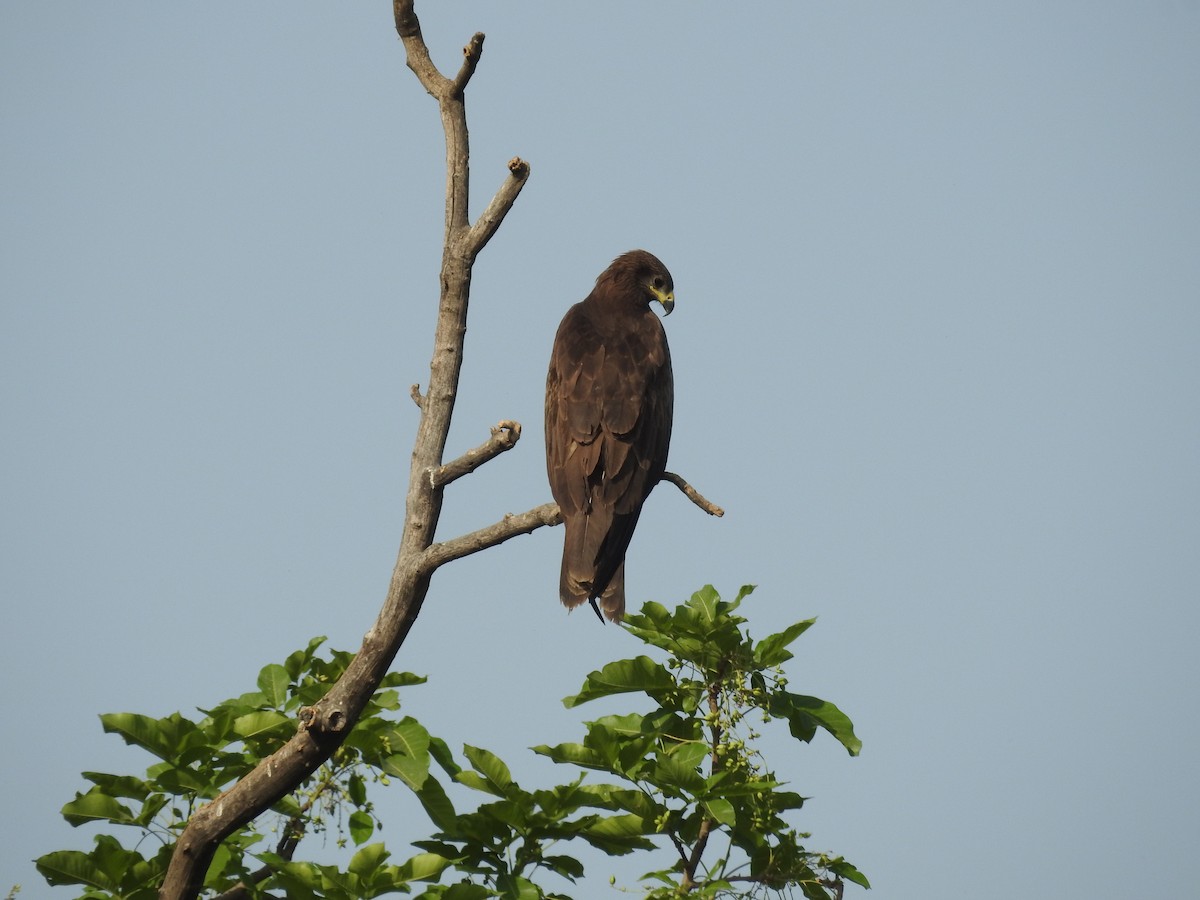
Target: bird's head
[(642, 275)]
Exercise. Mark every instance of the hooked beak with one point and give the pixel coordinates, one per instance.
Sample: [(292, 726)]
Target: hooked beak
[(667, 299)]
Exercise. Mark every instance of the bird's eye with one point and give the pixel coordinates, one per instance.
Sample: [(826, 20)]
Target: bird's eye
[(658, 282)]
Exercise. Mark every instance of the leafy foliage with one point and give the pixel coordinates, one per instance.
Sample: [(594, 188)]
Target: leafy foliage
[(685, 773), (688, 768), (196, 760)]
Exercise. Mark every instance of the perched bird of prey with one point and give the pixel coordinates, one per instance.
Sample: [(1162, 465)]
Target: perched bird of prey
[(609, 401)]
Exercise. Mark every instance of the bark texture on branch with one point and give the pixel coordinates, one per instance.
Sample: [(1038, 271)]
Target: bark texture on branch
[(692, 494), (504, 437), (325, 725)]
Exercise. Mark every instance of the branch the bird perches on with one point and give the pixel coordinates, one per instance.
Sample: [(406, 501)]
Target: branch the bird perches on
[(324, 725)]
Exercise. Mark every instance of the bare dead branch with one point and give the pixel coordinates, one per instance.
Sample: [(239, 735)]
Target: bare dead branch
[(415, 393), (449, 95), (416, 52), (692, 494), (509, 527), (471, 54), (407, 25), (504, 437), (325, 725), (489, 220)]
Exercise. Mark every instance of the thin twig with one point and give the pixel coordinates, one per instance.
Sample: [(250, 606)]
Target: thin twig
[(471, 54), (504, 437), (679, 848), (692, 865), (509, 527), (415, 50), (692, 494), (489, 220)]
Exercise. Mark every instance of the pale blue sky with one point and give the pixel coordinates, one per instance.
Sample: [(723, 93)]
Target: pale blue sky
[(936, 351)]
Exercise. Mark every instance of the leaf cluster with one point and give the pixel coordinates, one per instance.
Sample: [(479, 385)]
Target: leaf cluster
[(689, 769), (684, 777), (198, 758)]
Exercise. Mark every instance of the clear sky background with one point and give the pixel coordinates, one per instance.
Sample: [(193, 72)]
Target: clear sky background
[(937, 352)]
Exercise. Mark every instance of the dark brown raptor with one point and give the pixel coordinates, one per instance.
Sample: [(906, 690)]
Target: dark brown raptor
[(609, 401)]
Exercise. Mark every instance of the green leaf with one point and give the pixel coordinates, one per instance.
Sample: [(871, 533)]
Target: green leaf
[(389, 700), (401, 679), (566, 866), (805, 714), (745, 591), (702, 631), (356, 789), (247, 702), (466, 891), (607, 796), (492, 768), (618, 835), (517, 888), (671, 772), (770, 650), (297, 662), (72, 867), (476, 782), (180, 780), (705, 601), (362, 826), (438, 806), (513, 814), (257, 723), (782, 800), (721, 810), (94, 806), (440, 752), (222, 858), (573, 754), (108, 868), (274, 681), (411, 761), (151, 808), (301, 880), (422, 867), (843, 869), (411, 770), (621, 677), (119, 785), (367, 860), (690, 754), (166, 738)]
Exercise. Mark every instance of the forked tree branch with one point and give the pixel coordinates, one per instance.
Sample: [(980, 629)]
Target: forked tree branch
[(324, 725)]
